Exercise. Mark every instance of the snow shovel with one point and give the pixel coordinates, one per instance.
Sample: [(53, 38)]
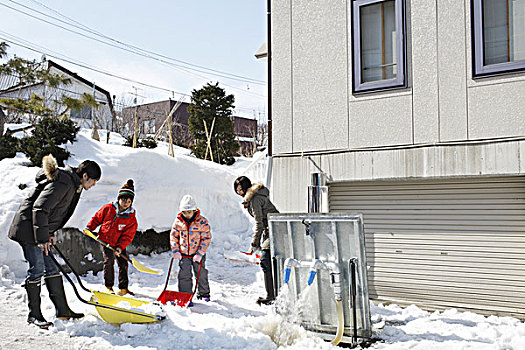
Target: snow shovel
[(133, 262), (181, 299), (106, 304), (243, 257)]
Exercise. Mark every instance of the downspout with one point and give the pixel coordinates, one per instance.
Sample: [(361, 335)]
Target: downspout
[(269, 93), (269, 58)]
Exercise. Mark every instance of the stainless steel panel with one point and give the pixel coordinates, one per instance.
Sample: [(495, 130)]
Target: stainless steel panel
[(334, 239)]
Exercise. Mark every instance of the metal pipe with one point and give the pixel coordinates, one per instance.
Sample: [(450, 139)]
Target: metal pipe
[(317, 193), (288, 263), (269, 58), (274, 276), (353, 292), (335, 275)]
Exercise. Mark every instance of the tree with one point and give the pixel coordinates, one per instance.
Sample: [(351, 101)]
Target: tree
[(3, 52), (210, 106), (47, 136), (27, 73), (51, 127)]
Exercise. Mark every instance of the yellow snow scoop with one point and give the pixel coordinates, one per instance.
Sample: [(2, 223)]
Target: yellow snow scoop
[(133, 262), (112, 308), (118, 315)]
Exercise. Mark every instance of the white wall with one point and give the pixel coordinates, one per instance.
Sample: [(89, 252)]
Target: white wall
[(313, 106)]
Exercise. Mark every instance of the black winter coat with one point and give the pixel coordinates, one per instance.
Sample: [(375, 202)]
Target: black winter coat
[(48, 207)]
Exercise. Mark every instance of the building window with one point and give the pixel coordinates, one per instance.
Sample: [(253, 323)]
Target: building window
[(498, 36), (378, 33), (84, 113), (149, 126)]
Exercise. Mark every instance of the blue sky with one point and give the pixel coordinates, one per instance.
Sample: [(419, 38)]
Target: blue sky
[(221, 35)]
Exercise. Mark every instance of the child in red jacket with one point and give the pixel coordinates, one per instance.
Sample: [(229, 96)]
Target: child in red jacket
[(118, 226)]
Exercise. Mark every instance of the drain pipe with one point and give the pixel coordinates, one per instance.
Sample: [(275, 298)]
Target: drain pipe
[(318, 194), (353, 292), (335, 275)]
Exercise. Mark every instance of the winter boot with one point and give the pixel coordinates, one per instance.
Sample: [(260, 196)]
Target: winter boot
[(270, 293), (55, 287), (124, 291), (203, 297), (33, 299)]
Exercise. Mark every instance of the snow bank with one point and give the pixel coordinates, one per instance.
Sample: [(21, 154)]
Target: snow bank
[(160, 183), (231, 320)]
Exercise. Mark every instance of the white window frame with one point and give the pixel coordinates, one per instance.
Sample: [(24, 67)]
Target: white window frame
[(400, 81), (479, 68)]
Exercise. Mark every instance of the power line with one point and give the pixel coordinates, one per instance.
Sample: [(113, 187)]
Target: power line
[(134, 49), (83, 65), (248, 79), (86, 66)]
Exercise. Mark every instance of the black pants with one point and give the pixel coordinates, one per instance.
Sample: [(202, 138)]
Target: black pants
[(109, 270), (266, 262)]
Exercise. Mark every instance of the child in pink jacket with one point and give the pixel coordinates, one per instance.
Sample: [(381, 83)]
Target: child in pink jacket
[(190, 237)]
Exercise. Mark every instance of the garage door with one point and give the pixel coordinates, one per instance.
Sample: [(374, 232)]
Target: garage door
[(443, 243)]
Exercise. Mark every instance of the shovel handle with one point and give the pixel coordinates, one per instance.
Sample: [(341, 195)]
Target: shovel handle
[(198, 274), (95, 237)]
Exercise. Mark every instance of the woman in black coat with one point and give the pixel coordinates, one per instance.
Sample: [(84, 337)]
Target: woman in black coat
[(46, 210)]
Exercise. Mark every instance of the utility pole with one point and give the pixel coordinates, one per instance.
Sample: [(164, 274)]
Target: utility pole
[(135, 127), (94, 133)]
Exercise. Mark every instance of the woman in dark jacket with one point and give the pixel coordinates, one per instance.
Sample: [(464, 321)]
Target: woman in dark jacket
[(257, 202), (46, 210)]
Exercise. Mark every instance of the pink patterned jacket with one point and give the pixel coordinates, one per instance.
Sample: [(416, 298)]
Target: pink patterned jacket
[(193, 239)]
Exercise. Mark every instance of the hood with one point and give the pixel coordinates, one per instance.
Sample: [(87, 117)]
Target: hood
[(126, 212), (51, 172), (257, 188), (49, 169)]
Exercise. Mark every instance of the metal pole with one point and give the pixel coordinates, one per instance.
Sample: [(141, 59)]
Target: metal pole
[(353, 292)]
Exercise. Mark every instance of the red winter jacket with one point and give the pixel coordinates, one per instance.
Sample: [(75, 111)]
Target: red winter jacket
[(117, 230)]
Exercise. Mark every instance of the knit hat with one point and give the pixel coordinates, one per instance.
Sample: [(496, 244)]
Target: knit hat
[(187, 203), (128, 190)]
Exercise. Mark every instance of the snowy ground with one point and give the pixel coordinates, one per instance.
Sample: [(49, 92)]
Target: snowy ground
[(231, 320)]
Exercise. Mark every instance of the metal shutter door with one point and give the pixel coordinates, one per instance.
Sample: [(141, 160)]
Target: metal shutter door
[(443, 243)]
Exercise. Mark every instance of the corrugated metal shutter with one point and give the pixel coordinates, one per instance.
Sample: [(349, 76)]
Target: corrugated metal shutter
[(443, 243)]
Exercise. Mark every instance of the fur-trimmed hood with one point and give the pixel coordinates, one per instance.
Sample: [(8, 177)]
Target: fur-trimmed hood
[(256, 188), (257, 202), (49, 205), (50, 167)]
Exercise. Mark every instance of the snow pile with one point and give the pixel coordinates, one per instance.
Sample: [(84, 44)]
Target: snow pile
[(231, 320), (413, 328), (160, 183)]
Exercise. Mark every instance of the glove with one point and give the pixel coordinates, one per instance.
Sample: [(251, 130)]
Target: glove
[(177, 256), (250, 251), (197, 258)]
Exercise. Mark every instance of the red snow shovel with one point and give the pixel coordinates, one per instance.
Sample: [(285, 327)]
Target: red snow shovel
[(243, 257), (181, 299)]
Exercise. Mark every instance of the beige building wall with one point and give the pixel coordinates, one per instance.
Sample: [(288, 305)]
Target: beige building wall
[(313, 105)]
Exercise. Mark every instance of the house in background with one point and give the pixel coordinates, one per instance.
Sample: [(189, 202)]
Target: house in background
[(103, 115), (151, 119), (414, 113)]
